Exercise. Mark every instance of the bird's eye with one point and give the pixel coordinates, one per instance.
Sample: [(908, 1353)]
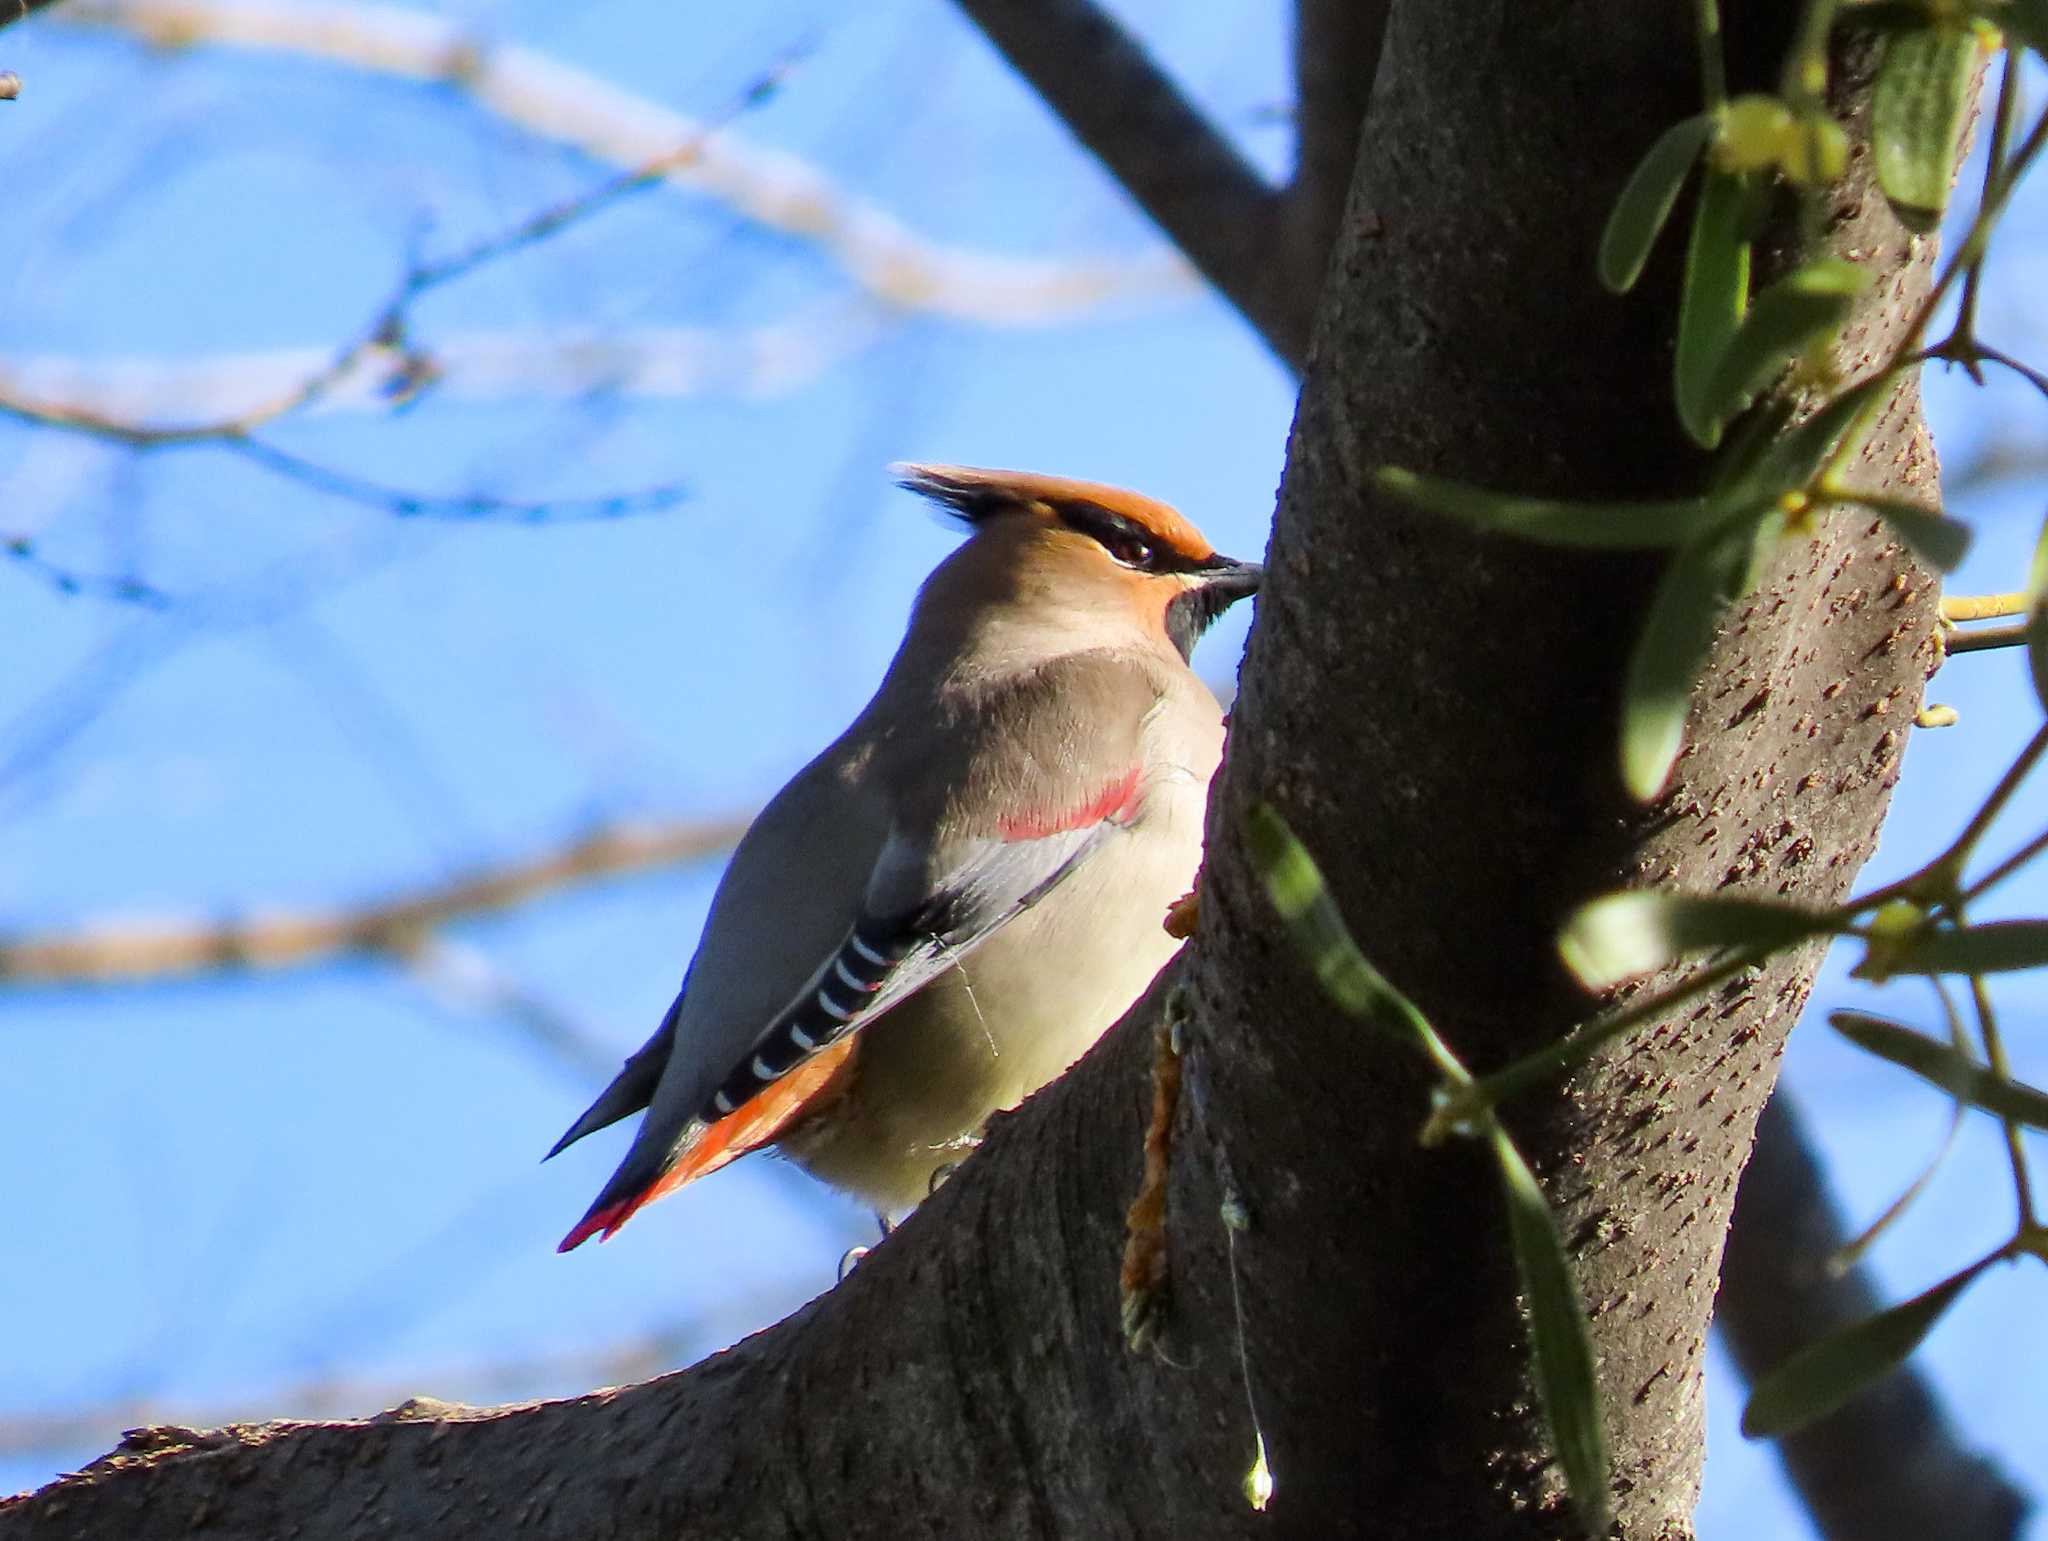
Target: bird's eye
[(1124, 541), (1128, 549)]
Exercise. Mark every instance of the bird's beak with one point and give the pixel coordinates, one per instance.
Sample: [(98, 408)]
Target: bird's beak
[(1230, 580), (1217, 584)]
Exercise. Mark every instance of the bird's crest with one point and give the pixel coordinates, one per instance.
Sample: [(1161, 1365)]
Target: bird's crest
[(972, 495)]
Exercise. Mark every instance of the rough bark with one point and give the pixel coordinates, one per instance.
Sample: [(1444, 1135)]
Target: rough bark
[(1445, 747), (1435, 713)]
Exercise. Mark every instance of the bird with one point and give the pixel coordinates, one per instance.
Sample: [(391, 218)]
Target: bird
[(950, 904)]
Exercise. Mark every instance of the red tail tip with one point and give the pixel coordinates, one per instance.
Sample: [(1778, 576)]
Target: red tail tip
[(607, 1220)]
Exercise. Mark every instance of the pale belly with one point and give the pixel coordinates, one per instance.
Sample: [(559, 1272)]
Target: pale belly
[(1013, 1015)]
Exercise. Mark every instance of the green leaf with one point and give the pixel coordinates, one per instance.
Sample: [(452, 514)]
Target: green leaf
[(2037, 612), (1683, 616), (1558, 521), (1645, 202), (1712, 299), (1317, 929), (1851, 1252), (1916, 118), (1822, 1376), (1619, 936), (1560, 1350), (1936, 539), (1795, 459), (1797, 311), (1994, 947), (1955, 1073), (1736, 465)]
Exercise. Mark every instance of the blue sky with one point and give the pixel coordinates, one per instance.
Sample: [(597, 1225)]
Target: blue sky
[(228, 1186)]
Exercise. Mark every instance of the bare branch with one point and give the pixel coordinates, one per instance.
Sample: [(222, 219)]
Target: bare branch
[(28, 557), (1888, 1464), (394, 926), (20, 10), (648, 363), (1128, 113), (562, 105), (464, 977), (405, 370), (1336, 55), (383, 359), (468, 506)]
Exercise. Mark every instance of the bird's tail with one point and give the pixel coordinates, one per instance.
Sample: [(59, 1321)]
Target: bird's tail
[(657, 1165)]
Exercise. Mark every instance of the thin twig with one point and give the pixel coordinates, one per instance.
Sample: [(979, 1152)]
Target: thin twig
[(394, 925), (1981, 607), (1984, 637), (662, 363), (27, 556), (464, 977), (2001, 1066), (388, 332), (2002, 119), (477, 506), (561, 105), (2006, 868)]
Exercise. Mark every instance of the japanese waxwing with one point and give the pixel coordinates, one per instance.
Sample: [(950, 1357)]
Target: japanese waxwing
[(948, 906)]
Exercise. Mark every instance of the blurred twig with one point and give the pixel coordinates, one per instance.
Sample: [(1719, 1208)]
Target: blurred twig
[(384, 347), (16, 10), (1999, 461), (384, 362), (649, 363), (27, 556), (464, 977), (562, 105), (1888, 1464), (397, 926)]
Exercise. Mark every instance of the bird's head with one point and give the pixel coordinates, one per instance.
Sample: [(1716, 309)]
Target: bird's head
[(1086, 545)]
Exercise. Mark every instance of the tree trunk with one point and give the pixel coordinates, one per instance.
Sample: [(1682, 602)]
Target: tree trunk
[(1435, 713)]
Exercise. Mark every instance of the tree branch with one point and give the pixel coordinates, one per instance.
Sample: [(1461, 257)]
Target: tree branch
[(558, 104), (1099, 81), (1886, 1466), (965, 1356), (144, 393), (335, 1396), (20, 10), (147, 954), (968, 1379), (1336, 55)]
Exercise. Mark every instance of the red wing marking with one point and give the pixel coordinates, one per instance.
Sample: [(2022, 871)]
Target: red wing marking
[(752, 1124), (1118, 800)]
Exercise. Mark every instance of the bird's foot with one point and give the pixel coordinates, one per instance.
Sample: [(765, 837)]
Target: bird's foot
[(852, 1255)]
